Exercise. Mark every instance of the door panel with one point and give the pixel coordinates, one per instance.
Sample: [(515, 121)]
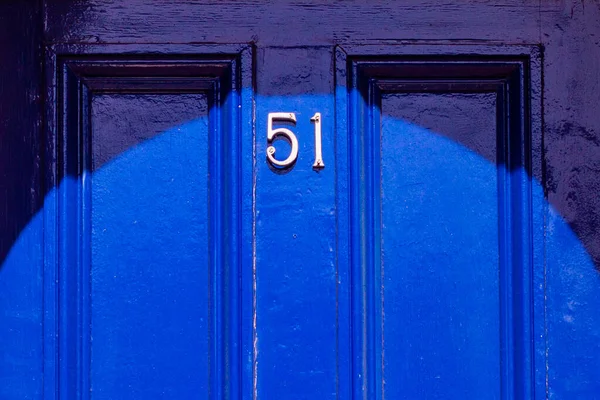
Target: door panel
[(440, 151), (150, 226), (439, 246), (150, 290)]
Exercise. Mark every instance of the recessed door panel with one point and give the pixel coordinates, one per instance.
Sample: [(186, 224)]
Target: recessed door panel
[(440, 200), (440, 310), (150, 278), (149, 227)]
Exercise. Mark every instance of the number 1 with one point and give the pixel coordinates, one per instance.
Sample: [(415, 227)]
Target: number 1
[(318, 164)]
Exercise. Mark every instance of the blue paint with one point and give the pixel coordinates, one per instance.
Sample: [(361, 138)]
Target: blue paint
[(164, 219), (572, 313), (423, 214), (296, 259), (21, 350), (440, 267), (128, 174), (150, 268), (150, 320)]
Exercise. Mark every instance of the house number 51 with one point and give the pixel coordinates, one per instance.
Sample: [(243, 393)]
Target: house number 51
[(292, 139)]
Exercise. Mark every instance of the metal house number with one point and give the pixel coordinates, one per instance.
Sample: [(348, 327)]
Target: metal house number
[(291, 138)]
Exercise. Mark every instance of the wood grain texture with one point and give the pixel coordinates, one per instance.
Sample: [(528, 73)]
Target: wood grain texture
[(292, 22), (571, 38), (20, 197), (20, 116)]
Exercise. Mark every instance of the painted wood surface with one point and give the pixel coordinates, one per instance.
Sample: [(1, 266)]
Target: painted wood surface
[(293, 338)]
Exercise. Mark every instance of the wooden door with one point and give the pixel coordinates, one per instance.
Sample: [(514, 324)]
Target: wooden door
[(281, 200)]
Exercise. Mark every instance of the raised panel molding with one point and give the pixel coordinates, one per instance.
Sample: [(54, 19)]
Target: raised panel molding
[(75, 73), (512, 73)]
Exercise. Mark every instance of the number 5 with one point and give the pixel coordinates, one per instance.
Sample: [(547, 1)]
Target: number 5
[(286, 133)]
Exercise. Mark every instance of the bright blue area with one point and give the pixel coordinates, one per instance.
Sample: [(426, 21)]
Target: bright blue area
[(21, 351), (573, 310), (296, 260), (149, 277), (440, 267)]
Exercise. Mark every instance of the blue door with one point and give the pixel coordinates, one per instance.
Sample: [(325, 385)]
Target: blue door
[(226, 204)]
